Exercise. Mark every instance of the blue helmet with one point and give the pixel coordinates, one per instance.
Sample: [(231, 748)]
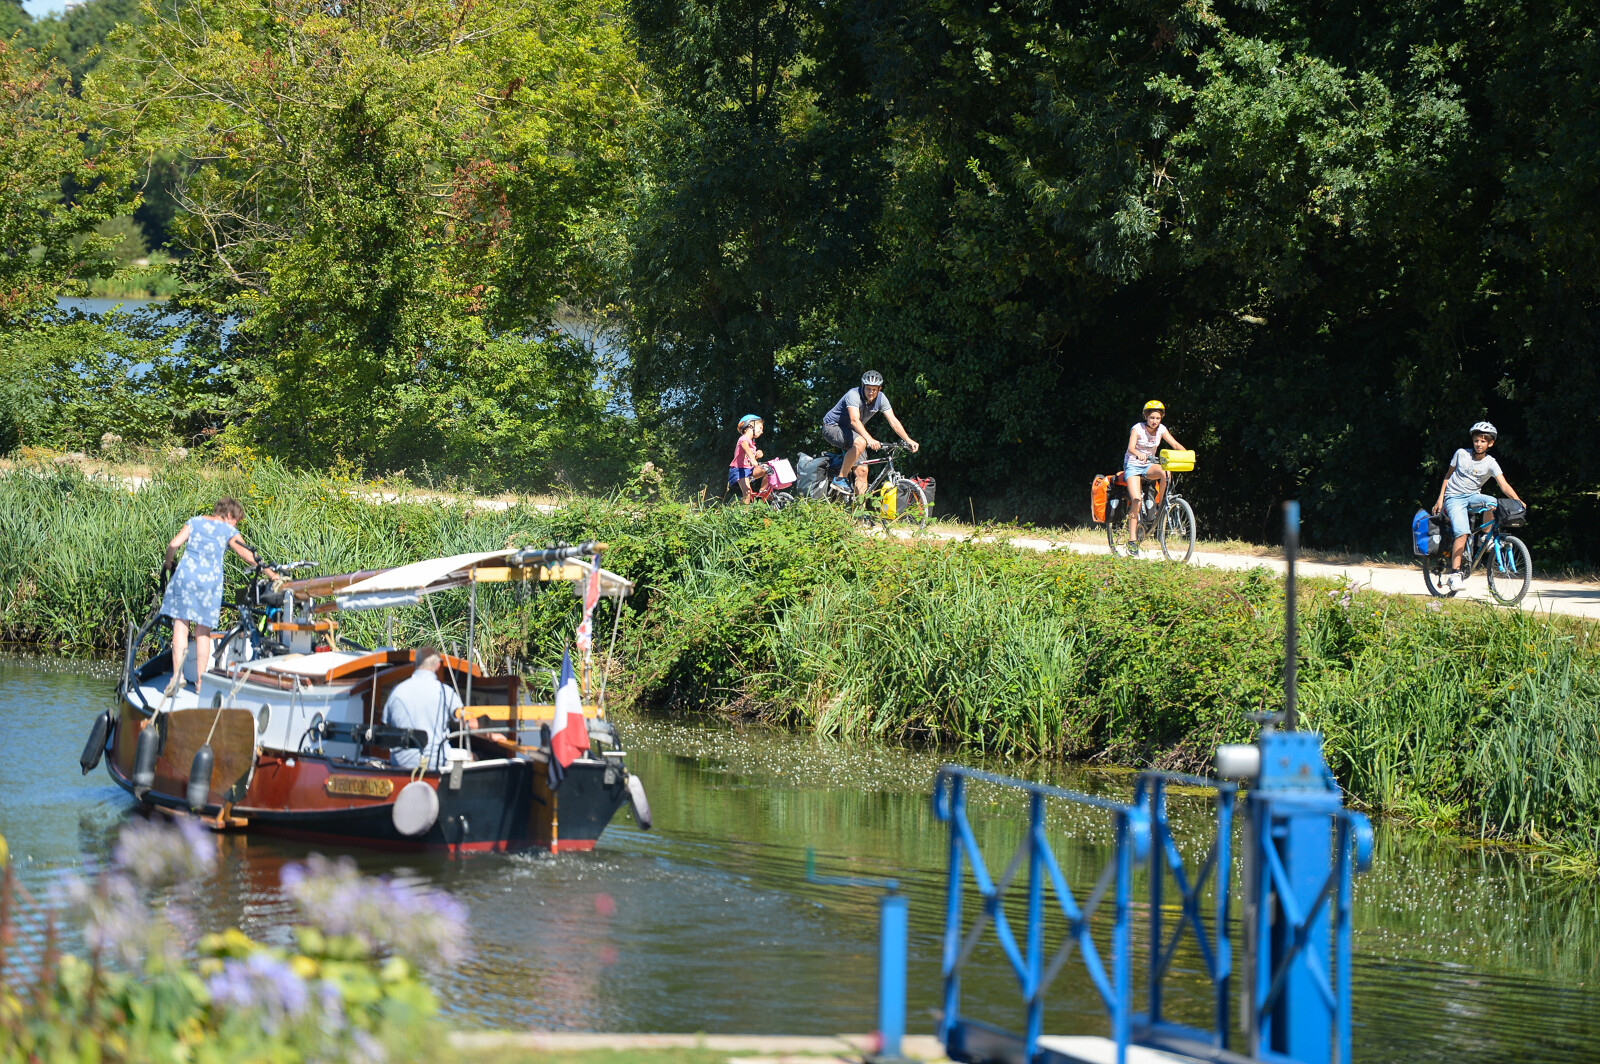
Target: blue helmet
[(747, 419)]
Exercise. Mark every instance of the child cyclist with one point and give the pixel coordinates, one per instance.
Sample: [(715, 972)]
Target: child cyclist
[(1144, 439), (746, 469), (1459, 494)]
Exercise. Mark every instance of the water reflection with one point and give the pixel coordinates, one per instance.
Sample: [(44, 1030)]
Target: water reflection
[(707, 923)]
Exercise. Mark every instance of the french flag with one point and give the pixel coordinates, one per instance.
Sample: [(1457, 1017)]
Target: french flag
[(569, 732)]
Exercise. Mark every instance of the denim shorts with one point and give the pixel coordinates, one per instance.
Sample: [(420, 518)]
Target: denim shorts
[(1456, 508), (735, 474), (1132, 467)]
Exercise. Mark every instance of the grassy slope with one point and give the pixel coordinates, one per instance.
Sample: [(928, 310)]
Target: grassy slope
[(1478, 718)]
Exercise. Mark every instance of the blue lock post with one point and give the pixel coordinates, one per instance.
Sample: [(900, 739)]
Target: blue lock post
[(1301, 851), (893, 941)]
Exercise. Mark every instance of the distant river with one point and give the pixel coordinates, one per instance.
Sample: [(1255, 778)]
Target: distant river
[(707, 923)]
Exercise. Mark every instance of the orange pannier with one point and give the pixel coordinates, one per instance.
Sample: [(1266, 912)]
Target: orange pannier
[(1097, 499)]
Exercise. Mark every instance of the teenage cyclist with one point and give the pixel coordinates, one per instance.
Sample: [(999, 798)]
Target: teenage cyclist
[(850, 415), (1459, 494), (1144, 439)]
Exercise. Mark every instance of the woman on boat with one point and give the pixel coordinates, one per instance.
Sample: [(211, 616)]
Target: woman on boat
[(194, 589)]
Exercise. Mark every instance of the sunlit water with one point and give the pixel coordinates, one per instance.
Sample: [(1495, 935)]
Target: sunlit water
[(707, 923)]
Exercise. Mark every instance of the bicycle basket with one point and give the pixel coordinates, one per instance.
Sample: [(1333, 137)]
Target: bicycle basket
[(1510, 513), (1177, 461)]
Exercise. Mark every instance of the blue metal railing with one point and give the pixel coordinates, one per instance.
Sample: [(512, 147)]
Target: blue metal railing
[(1214, 944), (970, 1040)]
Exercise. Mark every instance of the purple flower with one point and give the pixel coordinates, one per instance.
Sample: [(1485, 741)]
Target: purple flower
[(117, 923), (263, 986), (423, 924), (156, 854)]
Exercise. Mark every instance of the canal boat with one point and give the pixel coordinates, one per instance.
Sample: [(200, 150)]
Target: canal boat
[(283, 732)]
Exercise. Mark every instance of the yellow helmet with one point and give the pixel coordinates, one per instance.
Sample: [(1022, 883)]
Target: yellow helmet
[(1155, 404)]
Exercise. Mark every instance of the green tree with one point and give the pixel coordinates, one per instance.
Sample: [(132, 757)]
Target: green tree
[(47, 244), (754, 214), (395, 201)]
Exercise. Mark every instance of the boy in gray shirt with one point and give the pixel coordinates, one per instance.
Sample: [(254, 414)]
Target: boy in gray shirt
[(1459, 494)]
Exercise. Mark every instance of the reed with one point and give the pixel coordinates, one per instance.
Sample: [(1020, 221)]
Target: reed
[(1480, 720)]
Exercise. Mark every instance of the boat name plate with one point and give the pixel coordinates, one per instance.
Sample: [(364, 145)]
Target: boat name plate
[(360, 786)]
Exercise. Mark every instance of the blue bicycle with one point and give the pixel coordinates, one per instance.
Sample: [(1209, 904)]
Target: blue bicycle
[(1505, 559)]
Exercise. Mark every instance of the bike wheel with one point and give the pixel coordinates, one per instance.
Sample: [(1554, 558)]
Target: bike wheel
[(1113, 526), (1510, 568), (911, 505), (1434, 569), (1177, 530), (780, 499)]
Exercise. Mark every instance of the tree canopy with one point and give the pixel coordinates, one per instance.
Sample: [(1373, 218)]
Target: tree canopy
[(1329, 236)]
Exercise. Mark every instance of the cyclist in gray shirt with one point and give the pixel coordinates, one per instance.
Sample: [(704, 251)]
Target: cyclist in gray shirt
[(1459, 494), (845, 426)]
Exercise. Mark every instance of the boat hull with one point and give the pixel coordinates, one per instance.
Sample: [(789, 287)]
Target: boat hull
[(497, 804)]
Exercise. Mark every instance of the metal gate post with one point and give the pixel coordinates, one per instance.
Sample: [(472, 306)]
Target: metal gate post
[(894, 923)]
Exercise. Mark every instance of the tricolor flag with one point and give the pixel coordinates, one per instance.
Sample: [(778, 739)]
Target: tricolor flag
[(569, 732), (591, 597)]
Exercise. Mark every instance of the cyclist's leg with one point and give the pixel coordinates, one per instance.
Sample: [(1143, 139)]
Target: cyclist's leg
[(858, 447), (835, 435), (1455, 510), (1135, 495), (1159, 475)]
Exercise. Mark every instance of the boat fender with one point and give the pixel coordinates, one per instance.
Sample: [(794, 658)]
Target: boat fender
[(98, 733), (641, 804), (415, 809), (199, 789), (144, 758)]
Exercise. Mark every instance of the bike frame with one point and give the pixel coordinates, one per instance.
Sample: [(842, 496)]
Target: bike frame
[(1481, 539)]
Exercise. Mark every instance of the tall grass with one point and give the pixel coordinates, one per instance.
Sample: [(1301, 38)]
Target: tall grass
[(1483, 720)]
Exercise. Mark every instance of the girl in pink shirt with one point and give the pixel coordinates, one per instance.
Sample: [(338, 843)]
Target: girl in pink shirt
[(746, 467)]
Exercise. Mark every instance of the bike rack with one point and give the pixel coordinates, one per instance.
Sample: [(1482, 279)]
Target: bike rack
[(972, 1041)]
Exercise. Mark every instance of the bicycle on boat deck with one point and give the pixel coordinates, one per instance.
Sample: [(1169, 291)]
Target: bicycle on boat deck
[(1168, 515)]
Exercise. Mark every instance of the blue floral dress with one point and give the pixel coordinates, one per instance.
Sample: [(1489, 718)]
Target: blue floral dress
[(194, 593)]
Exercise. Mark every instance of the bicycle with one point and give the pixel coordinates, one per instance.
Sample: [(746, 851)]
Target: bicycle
[(1172, 518), (891, 498), (1505, 559), (258, 605), (775, 497)]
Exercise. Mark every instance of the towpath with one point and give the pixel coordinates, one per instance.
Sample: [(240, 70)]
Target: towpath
[(1545, 596)]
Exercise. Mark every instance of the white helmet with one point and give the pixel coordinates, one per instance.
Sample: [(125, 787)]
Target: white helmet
[(872, 379), (1486, 429)]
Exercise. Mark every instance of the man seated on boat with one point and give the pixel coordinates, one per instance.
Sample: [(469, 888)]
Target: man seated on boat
[(420, 701)]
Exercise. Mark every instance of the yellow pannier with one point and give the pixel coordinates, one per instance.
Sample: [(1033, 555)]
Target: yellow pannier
[(1176, 461)]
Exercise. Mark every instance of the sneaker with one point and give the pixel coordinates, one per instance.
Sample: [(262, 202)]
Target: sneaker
[(1133, 548), (842, 486), (1455, 580)]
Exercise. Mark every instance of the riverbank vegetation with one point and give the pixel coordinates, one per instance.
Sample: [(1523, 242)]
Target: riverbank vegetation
[(1472, 718), (1329, 239)]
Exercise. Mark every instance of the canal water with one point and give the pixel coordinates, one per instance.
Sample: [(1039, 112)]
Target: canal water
[(707, 923)]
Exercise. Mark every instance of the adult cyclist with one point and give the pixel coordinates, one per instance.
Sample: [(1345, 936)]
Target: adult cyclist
[(845, 426)]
